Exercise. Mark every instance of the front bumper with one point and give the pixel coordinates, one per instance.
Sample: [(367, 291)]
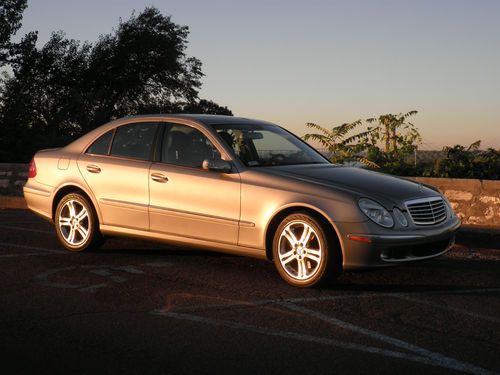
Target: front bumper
[(385, 249)]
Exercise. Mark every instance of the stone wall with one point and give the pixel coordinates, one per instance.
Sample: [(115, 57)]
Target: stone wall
[(476, 202), (12, 178)]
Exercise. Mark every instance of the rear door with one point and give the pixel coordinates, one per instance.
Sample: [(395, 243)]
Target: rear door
[(116, 167)]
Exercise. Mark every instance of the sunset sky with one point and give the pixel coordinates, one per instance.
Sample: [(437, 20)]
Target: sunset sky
[(328, 62)]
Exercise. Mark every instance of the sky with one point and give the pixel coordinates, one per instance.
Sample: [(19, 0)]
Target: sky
[(327, 62)]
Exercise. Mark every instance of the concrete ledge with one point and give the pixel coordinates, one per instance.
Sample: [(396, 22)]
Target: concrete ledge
[(12, 202), (475, 237), (12, 178)]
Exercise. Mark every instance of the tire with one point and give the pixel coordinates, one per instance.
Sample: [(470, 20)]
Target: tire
[(76, 223), (303, 253)]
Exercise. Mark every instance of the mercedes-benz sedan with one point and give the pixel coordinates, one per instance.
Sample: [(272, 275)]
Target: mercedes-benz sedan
[(235, 185)]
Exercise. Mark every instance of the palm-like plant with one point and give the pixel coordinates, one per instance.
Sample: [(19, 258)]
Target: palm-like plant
[(339, 146), (387, 130), (400, 136)]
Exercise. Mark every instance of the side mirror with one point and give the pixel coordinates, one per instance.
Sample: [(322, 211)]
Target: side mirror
[(218, 165)]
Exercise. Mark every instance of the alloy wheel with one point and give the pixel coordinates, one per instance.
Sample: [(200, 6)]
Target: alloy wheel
[(299, 250), (74, 222)]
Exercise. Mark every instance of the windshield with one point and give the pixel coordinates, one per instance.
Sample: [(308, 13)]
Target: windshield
[(261, 145)]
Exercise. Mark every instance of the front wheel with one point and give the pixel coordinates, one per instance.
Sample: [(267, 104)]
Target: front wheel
[(302, 252), (76, 223)]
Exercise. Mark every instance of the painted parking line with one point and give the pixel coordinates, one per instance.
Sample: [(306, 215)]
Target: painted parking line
[(4, 214), (250, 304), (39, 249), (435, 360), (417, 353), (106, 275), (23, 255), (11, 227), (10, 221), (449, 308)]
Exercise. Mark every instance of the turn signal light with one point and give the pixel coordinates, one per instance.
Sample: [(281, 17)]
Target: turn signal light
[(360, 238)]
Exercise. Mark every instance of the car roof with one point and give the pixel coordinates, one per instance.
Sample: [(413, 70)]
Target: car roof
[(203, 118)]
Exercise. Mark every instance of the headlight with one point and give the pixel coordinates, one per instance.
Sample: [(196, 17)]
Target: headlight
[(376, 212), (400, 217)]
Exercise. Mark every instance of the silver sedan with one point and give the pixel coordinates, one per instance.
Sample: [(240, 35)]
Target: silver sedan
[(235, 185)]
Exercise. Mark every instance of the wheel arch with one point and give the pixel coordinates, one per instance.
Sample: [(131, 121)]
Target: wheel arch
[(72, 188), (321, 217)]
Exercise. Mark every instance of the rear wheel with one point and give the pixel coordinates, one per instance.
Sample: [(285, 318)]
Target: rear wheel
[(76, 223), (303, 254)]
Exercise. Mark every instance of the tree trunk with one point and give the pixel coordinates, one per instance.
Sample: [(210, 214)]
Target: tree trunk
[(387, 139)]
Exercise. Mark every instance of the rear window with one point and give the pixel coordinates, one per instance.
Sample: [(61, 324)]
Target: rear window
[(134, 140), (101, 145)]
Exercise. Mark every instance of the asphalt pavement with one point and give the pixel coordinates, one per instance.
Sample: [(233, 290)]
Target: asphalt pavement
[(141, 307)]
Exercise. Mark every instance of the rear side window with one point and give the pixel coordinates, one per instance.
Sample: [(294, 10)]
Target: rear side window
[(101, 145), (134, 140)]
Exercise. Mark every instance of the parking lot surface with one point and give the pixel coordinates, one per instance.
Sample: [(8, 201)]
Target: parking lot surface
[(141, 307)]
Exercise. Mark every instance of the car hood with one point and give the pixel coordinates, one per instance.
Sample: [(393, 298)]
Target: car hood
[(382, 187)]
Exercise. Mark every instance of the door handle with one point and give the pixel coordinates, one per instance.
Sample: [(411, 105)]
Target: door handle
[(93, 168), (158, 177)]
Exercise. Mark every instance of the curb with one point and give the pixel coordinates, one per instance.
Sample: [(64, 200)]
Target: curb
[(12, 202)]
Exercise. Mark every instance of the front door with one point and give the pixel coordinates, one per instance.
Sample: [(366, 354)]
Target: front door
[(186, 200)]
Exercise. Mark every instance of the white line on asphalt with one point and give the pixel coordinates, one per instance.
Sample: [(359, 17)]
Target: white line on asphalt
[(23, 255), (439, 359), (449, 308), (314, 339), (25, 229), (250, 304), (40, 221), (6, 244)]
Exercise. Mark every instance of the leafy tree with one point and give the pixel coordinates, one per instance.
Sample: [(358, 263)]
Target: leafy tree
[(338, 144), (67, 88), (204, 106), (142, 65), (41, 104), (395, 131), (11, 12), (468, 162), (401, 139)]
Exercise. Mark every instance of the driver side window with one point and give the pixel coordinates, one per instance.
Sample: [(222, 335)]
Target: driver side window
[(186, 146)]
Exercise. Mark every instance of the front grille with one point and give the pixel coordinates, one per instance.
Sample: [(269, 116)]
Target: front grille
[(427, 211)]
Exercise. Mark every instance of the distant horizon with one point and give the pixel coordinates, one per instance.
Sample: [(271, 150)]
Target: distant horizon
[(328, 62)]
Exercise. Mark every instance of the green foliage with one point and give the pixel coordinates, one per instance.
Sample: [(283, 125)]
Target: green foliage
[(470, 162), (67, 88), (334, 141), (401, 139), (203, 106), (11, 12)]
